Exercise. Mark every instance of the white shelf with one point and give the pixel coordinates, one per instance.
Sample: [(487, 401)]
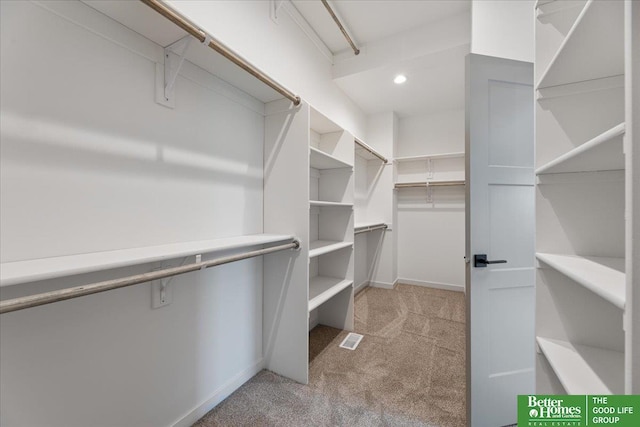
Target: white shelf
[(604, 152), (330, 204), (429, 156), (13, 273), (321, 247), (584, 369), (603, 276), (592, 49), (322, 288), (321, 160), (431, 183)]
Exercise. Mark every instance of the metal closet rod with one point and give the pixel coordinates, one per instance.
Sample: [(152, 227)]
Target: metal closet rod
[(21, 303), (344, 30), (214, 44), (429, 184), (371, 150), (377, 227)]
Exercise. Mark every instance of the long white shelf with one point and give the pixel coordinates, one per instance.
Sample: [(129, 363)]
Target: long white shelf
[(583, 369), (321, 203), (592, 49), (321, 247), (429, 156), (431, 183), (604, 152), (322, 289), (321, 160), (13, 273), (603, 276)]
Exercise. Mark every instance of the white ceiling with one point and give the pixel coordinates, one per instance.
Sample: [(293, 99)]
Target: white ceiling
[(374, 20), (432, 51), (435, 82)]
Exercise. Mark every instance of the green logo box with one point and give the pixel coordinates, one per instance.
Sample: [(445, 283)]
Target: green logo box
[(578, 410)]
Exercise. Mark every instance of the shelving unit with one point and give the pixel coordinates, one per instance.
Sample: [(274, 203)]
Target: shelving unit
[(432, 169), (331, 265), (582, 213), (583, 369)]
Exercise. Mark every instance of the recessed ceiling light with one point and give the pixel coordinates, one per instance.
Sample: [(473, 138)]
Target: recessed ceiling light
[(399, 79)]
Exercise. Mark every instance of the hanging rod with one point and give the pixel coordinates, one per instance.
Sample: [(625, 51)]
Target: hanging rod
[(374, 228), (356, 51), (371, 150), (21, 303), (182, 22), (429, 184)]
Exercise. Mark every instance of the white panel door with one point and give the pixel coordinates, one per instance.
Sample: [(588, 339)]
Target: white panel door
[(500, 214)]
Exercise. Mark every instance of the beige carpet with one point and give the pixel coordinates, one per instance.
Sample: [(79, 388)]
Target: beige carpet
[(407, 371)]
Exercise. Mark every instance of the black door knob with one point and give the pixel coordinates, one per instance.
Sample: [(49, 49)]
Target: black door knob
[(480, 260)]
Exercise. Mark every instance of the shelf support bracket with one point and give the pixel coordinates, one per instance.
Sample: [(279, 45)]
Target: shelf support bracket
[(174, 55), (274, 8), (429, 169)]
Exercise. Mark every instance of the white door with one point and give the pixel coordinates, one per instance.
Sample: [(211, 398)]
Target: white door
[(500, 221)]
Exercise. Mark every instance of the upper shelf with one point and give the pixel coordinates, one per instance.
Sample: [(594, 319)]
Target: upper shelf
[(431, 183), (583, 369), (604, 152), (13, 273), (366, 152), (366, 225), (593, 48), (603, 276), (321, 247), (321, 160), (429, 156), (321, 203)]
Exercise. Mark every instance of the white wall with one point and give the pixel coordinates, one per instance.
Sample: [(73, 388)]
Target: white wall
[(91, 163), (431, 235), (503, 28), (281, 50)]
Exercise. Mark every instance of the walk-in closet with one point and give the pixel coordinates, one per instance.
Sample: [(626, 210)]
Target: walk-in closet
[(316, 212)]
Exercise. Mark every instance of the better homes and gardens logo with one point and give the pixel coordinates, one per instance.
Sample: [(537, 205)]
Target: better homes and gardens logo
[(554, 411), (578, 411)]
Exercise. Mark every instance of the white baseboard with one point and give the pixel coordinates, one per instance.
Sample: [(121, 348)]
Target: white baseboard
[(435, 285), (383, 285), (219, 395), (361, 286)]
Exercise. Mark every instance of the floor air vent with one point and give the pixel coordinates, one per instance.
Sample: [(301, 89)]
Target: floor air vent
[(351, 341)]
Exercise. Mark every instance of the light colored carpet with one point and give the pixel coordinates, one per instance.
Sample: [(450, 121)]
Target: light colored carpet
[(407, 371)]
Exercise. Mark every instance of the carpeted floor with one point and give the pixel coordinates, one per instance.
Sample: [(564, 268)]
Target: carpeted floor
[(407, 371)]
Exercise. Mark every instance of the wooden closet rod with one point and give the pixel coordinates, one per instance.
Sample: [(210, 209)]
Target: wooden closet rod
[(346, 35), (371, 150), (21, 303), (182, 22)]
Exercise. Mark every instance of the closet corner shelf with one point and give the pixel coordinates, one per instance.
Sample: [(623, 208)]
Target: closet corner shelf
[(13, 273), (602, 153), (592, 49), (542, 2), (368, 153), (429, 156), (583, 369), (603, 276), (321, 160), (320, 203), (321, 247), (322, 289)]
